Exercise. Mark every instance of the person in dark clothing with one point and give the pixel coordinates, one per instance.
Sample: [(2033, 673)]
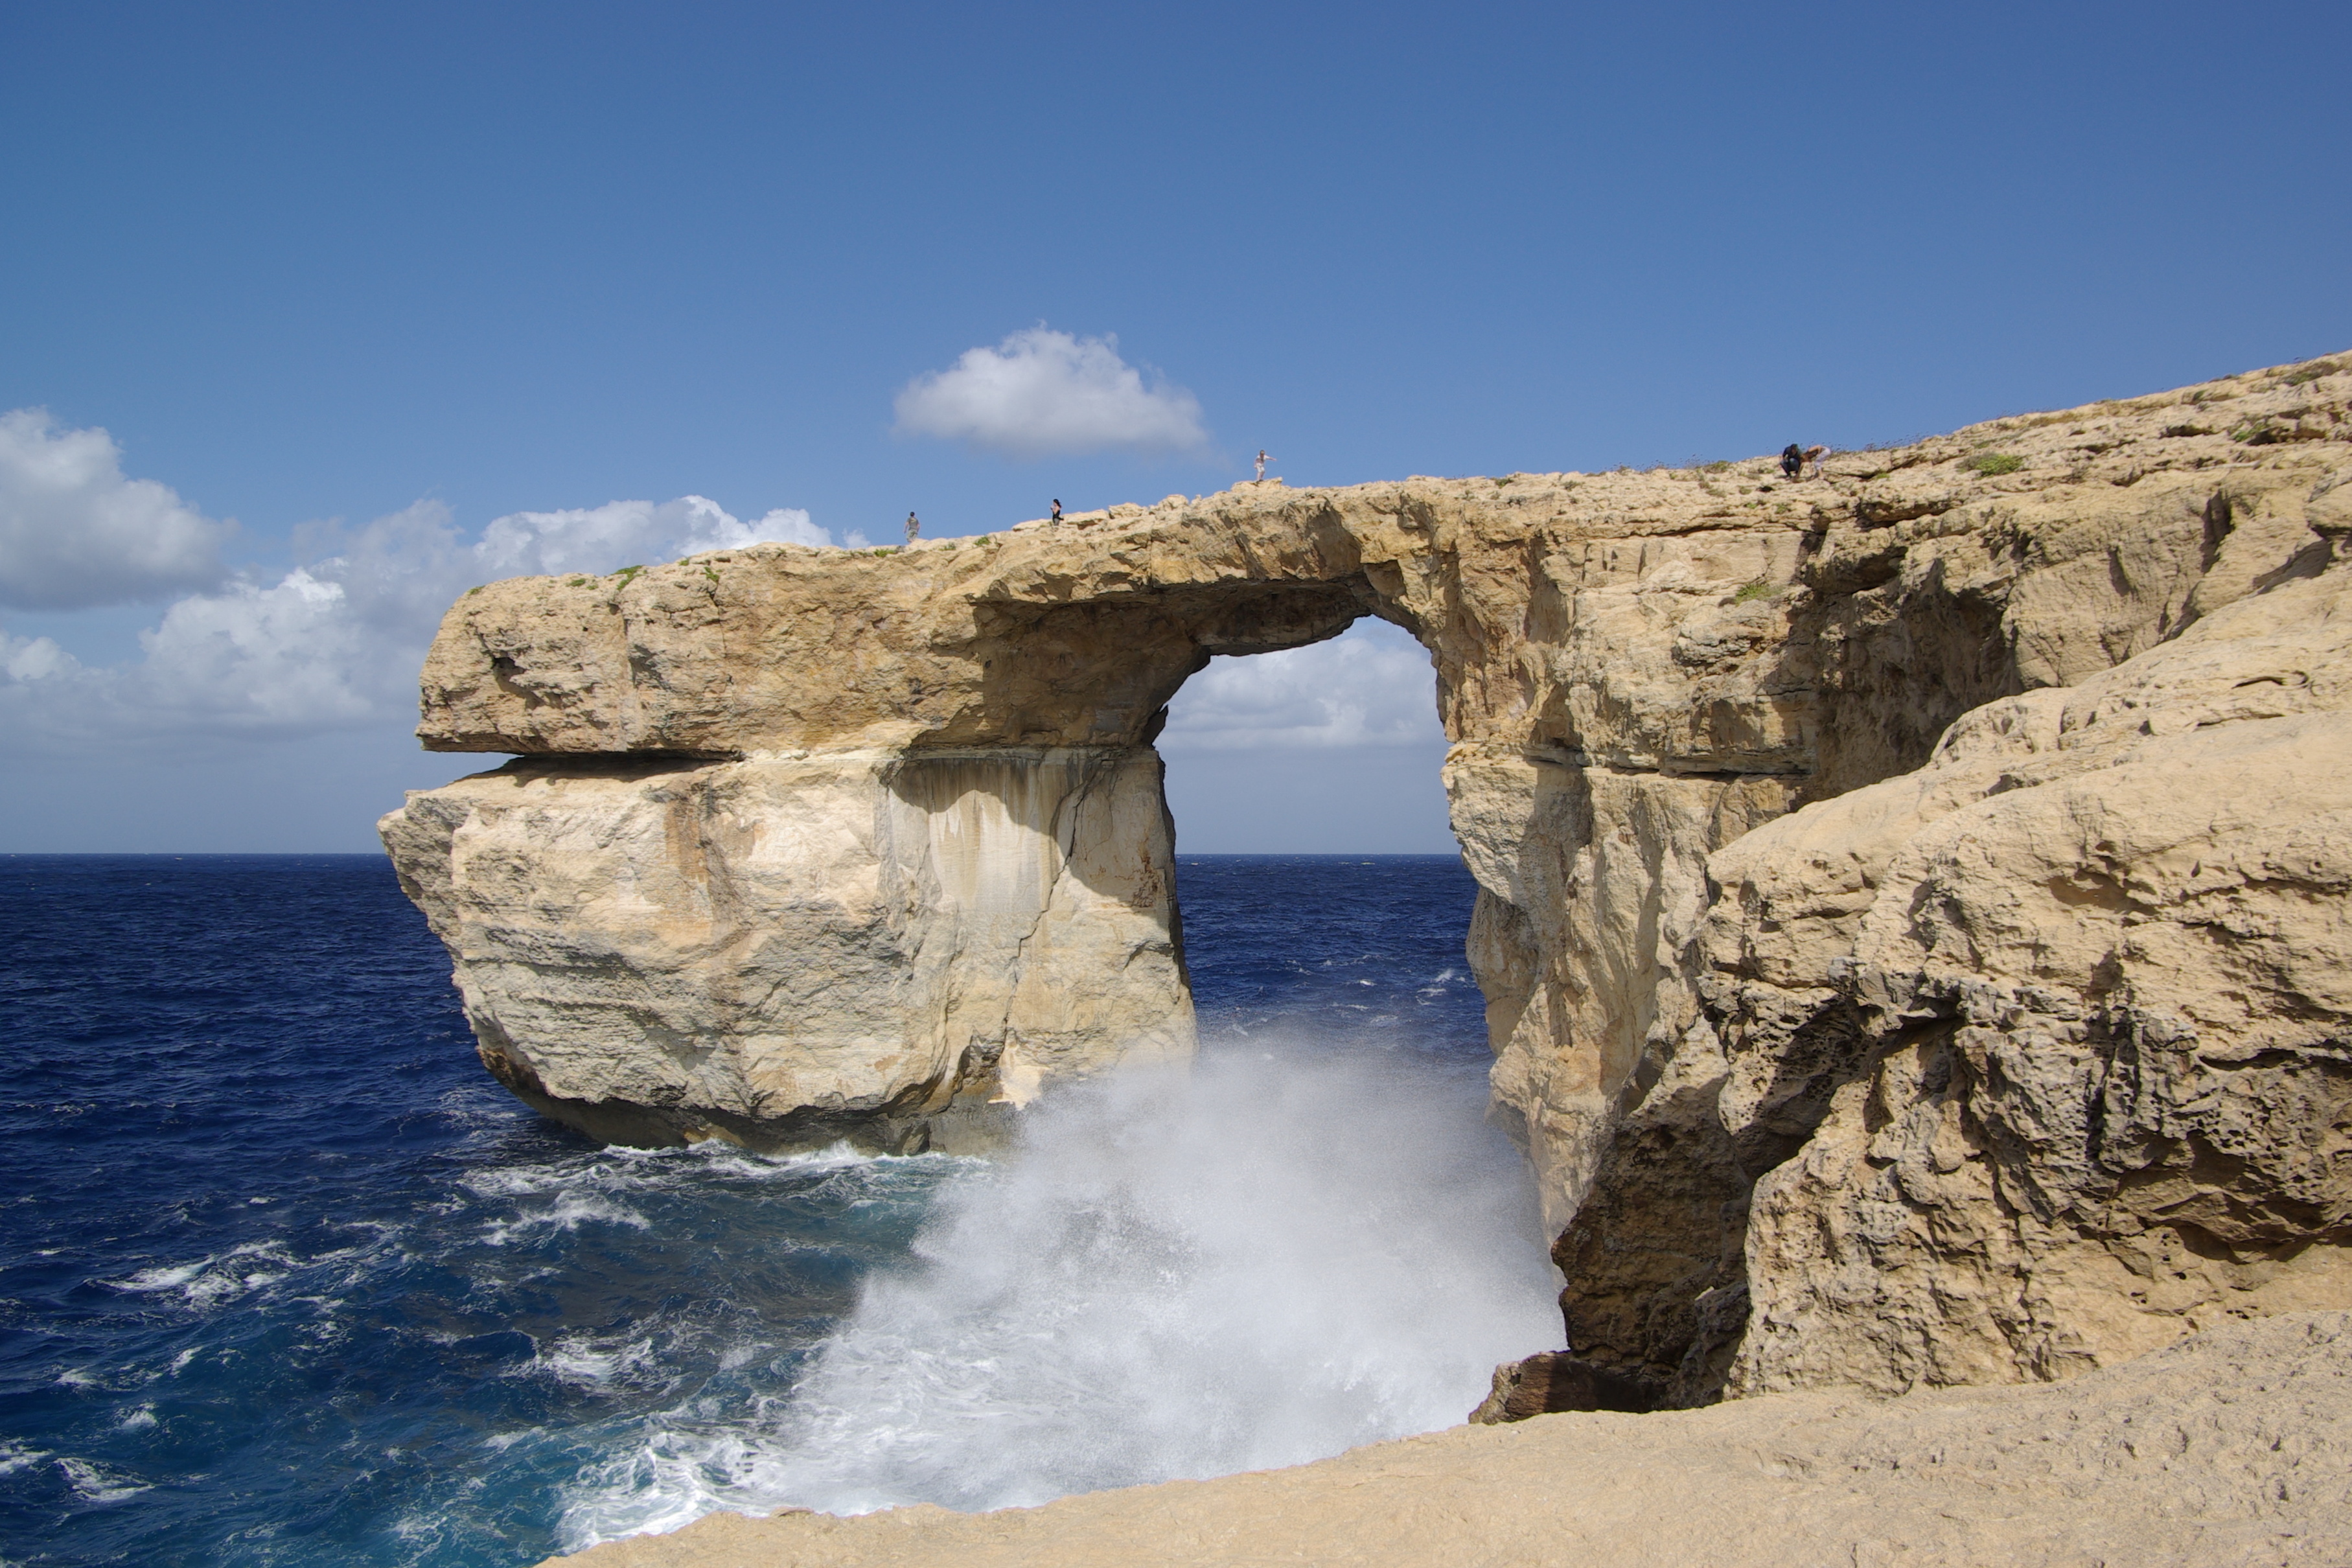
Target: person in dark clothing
[(1057, 510), (1792, 460)]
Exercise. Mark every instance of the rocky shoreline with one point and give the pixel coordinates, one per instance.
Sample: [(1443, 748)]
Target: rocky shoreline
[(2233, 1450), (1913, 900)]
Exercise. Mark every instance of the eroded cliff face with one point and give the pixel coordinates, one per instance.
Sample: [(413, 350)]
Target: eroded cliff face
[(786, 949), (1848, 1041)]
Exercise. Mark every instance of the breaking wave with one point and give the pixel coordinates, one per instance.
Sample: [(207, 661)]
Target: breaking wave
[(1271, 1260), (327, 1294)]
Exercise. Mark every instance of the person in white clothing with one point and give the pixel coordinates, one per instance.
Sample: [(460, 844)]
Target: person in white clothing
[(1262, 460)]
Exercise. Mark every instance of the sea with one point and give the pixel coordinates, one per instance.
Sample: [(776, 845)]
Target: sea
[(286, 1278)]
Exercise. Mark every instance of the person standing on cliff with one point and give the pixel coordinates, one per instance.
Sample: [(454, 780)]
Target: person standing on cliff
[(1057, 510), (914, 528), (1262, 460)]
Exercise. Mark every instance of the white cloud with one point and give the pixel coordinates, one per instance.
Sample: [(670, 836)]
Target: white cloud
[(74, 532), (527, 543), (1372, 687), (1041, 393), (337, 643)]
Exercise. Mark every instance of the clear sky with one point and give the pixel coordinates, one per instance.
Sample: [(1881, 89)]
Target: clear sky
[(297, 302)]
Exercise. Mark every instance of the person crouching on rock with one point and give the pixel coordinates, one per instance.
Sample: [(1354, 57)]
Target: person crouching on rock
[(1792, 460)]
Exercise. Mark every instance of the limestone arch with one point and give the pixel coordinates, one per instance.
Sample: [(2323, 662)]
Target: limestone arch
[(803, 844), (696, 901)]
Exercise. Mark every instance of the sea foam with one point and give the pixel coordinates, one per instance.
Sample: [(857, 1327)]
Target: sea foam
[(1264, 1261)]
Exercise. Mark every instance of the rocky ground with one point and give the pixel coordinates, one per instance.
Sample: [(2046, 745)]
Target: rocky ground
[(2230, 1451)]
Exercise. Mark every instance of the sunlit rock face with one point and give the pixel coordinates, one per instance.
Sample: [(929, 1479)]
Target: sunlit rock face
[(1877, 979), (787, 950)]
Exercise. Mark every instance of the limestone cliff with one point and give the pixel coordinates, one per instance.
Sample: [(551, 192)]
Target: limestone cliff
[(787, 948), (1911, 909)]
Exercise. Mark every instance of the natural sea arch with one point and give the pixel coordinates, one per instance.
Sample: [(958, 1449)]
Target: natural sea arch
[(667, 925), (806, 843), (806, 840)]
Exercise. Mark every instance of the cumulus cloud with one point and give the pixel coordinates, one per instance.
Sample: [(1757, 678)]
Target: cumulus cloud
[(1041, 393), (336, 643), (536, 542), (74, 532), (1373, 687)]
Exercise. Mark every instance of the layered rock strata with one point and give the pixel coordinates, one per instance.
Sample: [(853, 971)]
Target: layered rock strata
[(788, 949), (1910, 908)]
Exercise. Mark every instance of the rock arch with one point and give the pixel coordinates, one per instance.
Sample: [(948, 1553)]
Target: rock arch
[(752, 910), (814, 844), (804, 843)]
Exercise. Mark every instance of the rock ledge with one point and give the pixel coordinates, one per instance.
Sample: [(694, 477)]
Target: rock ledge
[(2233, 1450)]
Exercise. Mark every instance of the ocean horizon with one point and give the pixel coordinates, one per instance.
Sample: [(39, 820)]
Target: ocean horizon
[(288, 1279)]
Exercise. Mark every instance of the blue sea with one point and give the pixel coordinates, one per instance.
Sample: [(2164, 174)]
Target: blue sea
[(286, 1278)]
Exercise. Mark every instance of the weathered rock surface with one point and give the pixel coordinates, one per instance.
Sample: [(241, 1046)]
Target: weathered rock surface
[(790, 949), (1551, 1381), (2036, 1057), (2103, 980), (2231, 1451), (1958, 1052)]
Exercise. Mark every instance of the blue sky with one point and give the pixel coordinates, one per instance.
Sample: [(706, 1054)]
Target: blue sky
[(311, 268)]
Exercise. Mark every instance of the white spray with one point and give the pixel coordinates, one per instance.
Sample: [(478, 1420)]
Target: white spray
[(1259, 1263)]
